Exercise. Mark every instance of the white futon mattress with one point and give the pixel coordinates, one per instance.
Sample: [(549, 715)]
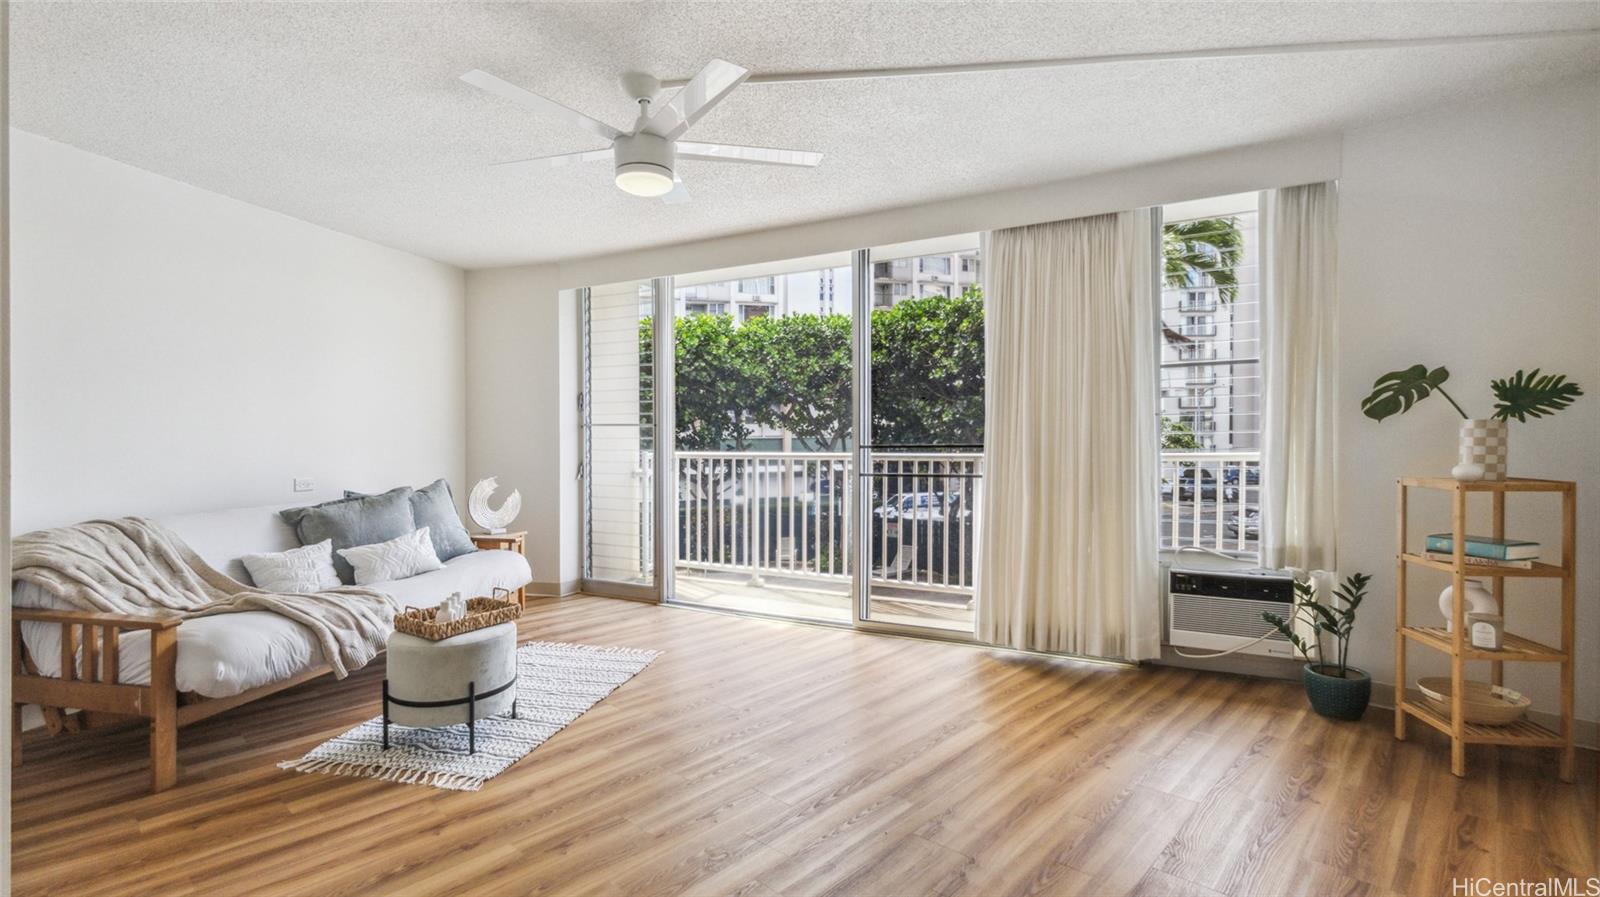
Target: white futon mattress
[(228, 654)]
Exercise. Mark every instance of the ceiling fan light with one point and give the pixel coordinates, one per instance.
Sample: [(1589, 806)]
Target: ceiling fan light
[(644, 179)]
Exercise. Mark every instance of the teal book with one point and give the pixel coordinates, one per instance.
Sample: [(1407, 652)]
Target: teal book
[(1485, 547)]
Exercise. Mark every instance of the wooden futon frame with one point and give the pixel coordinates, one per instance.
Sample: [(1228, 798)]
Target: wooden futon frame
[(89, 684)]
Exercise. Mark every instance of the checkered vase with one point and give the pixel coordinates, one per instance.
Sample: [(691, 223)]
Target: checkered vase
[(1484, 442)]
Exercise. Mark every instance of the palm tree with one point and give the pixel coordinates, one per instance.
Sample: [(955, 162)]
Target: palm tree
[(1200, 253), (1203, 252)]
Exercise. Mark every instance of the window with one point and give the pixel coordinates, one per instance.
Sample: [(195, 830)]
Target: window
[(758, 286), (969, 264), (691, 309), (934, 264), (935, 289), (899, 269), (884, 295), (746, 312), (1210, 377)]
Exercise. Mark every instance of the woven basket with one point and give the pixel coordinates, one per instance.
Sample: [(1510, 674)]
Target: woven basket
[(481, 614)]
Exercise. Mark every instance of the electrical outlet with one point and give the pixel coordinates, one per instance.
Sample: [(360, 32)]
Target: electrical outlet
[(304, 484)]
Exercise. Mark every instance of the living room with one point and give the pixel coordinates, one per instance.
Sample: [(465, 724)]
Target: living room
[(1028, 361)]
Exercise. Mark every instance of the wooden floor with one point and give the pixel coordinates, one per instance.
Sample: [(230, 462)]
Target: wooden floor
[(763, 758)]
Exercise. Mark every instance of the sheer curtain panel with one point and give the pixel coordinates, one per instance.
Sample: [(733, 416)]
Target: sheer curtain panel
[(1069, 539), (1300, 258)]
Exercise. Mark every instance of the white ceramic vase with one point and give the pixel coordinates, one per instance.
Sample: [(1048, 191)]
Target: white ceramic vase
[(1483, 445), (1479, 601)]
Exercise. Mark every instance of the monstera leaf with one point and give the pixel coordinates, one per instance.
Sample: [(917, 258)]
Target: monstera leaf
[(1529, 395), (1396, 391)]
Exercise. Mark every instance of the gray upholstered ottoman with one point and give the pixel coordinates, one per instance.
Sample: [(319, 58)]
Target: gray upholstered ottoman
[(461, 679)]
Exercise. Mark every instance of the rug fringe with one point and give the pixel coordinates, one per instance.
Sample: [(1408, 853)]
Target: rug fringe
[(446, 780), (594, 649)]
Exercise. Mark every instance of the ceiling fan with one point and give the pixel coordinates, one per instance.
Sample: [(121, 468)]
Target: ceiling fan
[(646, 158)]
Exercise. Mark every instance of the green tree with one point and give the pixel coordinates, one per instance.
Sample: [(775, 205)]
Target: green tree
[(927, 371), (719, 385), (793, 373), (1175, 434), (804, 362)]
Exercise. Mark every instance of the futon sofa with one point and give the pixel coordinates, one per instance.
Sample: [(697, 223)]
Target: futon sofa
[(206, 664)]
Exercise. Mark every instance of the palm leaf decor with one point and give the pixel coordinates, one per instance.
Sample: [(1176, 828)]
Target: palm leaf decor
[(1522, 395), (1395, 392), (1530, 395)]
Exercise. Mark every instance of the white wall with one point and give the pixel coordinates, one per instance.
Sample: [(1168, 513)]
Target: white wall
[(520, 400), (1470, 238), (177, 350)]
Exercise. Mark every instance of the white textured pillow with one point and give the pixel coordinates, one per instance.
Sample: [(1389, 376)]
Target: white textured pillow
[(296, 571), (397, 558)]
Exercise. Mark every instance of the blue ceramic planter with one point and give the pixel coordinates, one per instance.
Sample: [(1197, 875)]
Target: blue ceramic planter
[(1334, 697)]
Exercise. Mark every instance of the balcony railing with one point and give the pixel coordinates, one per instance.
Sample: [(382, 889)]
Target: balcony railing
[(1211, 500), (787, 513)]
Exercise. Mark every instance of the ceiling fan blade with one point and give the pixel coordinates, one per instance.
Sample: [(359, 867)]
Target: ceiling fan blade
[(678, 193), (703, 92), (759, 155), (532, 101), (561, 159)]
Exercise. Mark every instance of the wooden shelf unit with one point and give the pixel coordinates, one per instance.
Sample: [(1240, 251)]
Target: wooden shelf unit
[(1457, 646)]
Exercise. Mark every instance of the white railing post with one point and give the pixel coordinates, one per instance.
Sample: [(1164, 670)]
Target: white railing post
[(1205, 493), (779, 512)]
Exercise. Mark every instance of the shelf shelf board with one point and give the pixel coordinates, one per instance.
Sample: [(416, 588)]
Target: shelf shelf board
[(1539, 570), (1522, 732), (1515, 647), (1511, 484)]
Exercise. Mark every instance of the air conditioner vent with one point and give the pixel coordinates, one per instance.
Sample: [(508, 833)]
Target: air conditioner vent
[(1223, 616)]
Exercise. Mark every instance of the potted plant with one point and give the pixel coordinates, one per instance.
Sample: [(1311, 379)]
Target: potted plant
[(1336, 689), (1483, 440)]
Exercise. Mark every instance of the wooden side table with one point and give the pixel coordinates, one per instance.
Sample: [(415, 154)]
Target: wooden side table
[(515, 541)]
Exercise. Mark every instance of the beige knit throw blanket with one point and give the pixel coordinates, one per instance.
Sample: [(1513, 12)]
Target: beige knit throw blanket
[(133, 565)]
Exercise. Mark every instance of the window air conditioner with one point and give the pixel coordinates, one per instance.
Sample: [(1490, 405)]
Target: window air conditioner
[(1216, 610)]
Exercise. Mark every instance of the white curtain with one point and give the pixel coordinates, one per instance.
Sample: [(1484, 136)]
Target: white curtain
[(1069, 557), (1300, 273)]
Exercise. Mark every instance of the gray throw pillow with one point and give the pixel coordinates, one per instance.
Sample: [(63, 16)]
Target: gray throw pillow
[(433, 506), (350, 522)]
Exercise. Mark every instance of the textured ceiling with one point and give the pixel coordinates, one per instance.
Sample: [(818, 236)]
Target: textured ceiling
[(350, 115)]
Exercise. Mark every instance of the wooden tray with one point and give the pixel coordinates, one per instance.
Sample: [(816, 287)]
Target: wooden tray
[(1485, 704), (481, 614)]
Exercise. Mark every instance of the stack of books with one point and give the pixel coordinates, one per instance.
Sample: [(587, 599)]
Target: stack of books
[(1483, 551)]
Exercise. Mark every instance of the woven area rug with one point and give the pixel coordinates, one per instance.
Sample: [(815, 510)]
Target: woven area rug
[(556, 683)]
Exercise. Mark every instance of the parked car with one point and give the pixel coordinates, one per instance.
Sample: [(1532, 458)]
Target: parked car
[(1252, 476), (1208, 486), (1250, 520), (912, 506), (1187, 479)]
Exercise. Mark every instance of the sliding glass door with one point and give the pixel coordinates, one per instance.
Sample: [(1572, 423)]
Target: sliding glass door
[(728, 473), (921, 357), (762, 438)]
